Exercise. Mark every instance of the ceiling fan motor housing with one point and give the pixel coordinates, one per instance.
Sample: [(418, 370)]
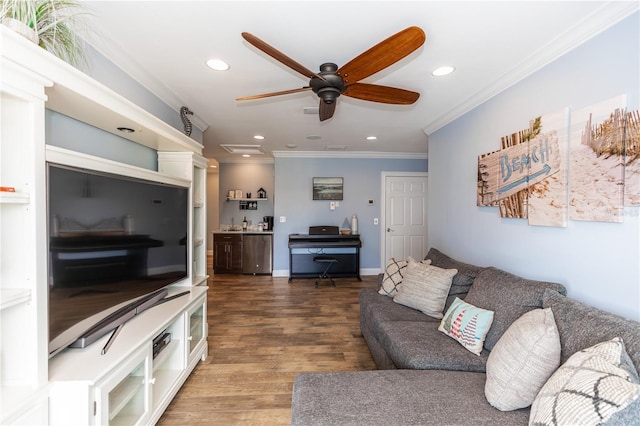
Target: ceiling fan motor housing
[(331, 87)]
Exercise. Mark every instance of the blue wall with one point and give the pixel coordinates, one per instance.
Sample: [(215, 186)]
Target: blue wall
[(362, 181), (68, 133), (249, 177), (599, 263)]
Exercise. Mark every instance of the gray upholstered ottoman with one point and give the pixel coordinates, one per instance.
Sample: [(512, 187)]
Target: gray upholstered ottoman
[(396, 397)]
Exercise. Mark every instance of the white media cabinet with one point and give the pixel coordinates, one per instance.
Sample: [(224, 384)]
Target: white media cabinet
[(127, 385)]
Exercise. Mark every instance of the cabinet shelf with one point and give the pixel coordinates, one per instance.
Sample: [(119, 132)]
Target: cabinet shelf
[(123, 394), (14, 296), (165, 354), (14, 198), (247, 199)]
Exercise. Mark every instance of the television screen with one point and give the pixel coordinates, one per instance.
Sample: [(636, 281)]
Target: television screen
[(112, 240)]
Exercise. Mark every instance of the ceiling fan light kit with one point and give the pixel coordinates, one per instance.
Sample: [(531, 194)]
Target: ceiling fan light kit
[(332, 81)]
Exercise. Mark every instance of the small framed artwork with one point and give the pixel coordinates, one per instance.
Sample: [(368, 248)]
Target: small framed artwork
[(328, 188)]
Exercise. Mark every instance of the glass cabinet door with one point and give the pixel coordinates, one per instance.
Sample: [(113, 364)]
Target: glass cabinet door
[(123, 398), (197, 328)]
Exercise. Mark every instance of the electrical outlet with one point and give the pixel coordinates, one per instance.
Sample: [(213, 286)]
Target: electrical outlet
[(283, 219), (332, 205)]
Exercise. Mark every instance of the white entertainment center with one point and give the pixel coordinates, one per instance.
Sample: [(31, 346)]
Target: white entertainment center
[(129, 384)]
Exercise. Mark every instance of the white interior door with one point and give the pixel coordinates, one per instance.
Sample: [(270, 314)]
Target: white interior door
[(405, 216)]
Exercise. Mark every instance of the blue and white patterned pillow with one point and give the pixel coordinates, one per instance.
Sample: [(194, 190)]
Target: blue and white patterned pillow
[(467, 324), (394, 274)]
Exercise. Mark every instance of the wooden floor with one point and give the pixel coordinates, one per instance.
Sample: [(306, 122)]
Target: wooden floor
[(263, 331)]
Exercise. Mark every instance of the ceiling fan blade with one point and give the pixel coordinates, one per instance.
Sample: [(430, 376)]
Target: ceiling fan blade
[(268, 95), (382, 55), (277, 55), (383, 94), (326, 110)]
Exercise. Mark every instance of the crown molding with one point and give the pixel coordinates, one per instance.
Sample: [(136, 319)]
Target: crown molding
[(252, 160), (607, 15), (352, 154), (146, 80)]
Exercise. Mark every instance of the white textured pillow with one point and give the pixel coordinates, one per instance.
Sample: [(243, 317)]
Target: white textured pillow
[(595, 386), (393, 275), (522, 360), (425, 288)]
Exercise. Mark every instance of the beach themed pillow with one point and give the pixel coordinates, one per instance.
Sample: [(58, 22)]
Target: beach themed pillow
[(467, 324)]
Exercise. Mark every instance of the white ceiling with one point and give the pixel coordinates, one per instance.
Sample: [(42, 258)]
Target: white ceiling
[(164, 45)]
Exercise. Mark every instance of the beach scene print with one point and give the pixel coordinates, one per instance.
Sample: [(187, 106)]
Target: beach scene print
[(632, 159), (548, 197), (597, 162)]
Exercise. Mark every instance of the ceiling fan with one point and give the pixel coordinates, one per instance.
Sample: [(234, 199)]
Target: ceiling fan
[(331, 81)]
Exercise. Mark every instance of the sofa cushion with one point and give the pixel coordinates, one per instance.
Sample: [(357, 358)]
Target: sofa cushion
[(467, 324), (508, 296), (581, 326), (598, 385), (376, 309), (396, 397), (425, 288), (461, 281), (420, 346), (524, 358)]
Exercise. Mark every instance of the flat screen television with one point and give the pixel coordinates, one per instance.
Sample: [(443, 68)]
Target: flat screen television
[(114, 242)]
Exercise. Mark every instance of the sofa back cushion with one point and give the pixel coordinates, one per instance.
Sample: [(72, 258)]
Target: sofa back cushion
[(581, 326), (461, 281), (508, 296)]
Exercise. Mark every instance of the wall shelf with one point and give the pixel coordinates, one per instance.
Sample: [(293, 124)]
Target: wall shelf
[(14, 296), (14, 198)]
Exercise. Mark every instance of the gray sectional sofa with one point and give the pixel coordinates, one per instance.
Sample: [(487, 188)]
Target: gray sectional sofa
[(427, 378)]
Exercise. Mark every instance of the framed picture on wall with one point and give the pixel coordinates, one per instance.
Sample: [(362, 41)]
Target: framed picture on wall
[(327, 188)]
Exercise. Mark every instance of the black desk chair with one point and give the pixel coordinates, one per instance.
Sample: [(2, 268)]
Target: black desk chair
[(325, 262)]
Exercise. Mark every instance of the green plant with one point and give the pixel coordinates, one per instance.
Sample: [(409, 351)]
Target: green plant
[(55, 22)]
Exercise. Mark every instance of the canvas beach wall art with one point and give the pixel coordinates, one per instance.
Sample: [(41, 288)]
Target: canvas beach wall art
[(550, 173)]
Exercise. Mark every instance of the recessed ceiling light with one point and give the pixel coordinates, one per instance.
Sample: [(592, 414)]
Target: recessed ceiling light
[(213, 166), (314, 137), (292, 145), (258, 137), (446, 70), (246, 155), (372, 138), (217, 64)]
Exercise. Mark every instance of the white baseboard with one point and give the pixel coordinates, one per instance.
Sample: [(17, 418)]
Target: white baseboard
[(363, 272)]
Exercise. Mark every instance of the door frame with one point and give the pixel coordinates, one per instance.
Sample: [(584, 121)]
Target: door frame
[(383, 208)]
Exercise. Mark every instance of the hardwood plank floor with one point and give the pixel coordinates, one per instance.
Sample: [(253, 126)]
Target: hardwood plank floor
[(263, 331)]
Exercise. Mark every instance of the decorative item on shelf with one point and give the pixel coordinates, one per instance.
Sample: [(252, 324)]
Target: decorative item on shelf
[(345, 229), (238, 193), (248, 205), (51, 24), (231, 194), (262, 193), (184, 111), (354, 224), (248, 195)]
